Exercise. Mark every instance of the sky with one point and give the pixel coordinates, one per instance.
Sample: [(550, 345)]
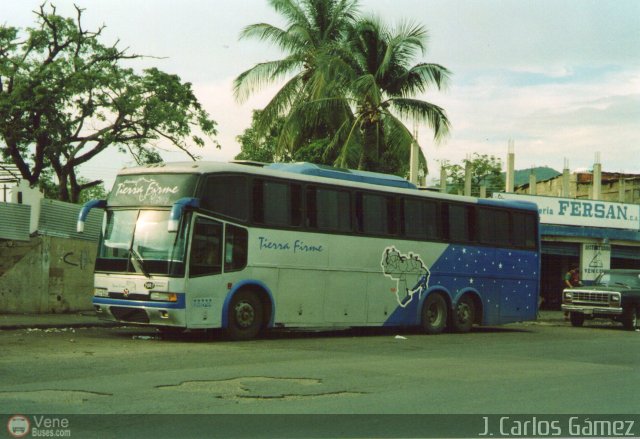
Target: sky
[(560, 78)]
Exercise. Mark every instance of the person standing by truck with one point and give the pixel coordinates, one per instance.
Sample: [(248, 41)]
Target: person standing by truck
[(571, 279)]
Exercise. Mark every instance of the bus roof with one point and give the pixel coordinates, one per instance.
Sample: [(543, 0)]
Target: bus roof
[(319, 174), (343, 174)]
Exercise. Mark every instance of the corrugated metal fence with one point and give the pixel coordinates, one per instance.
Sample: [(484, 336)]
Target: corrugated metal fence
[(14, 221), (56, 219)]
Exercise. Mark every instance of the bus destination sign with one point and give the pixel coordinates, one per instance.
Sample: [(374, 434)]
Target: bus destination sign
[(151, 189)]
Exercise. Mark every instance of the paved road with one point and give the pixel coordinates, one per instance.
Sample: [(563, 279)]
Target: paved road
[(523, 368)]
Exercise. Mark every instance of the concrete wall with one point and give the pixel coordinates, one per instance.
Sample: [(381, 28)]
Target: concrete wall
[(46, 274), (581, 186)]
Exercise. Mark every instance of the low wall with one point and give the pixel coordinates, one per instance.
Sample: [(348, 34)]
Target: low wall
[(46, 274)]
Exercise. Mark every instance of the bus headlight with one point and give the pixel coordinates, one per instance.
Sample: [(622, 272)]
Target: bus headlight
[(568, 296), (100, 292), (164, 297)]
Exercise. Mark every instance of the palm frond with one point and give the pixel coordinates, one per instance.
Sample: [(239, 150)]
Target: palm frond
[(249, 81), (421, 111)]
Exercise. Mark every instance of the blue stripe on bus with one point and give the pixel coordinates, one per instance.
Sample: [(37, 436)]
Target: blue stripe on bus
[(180, 304)]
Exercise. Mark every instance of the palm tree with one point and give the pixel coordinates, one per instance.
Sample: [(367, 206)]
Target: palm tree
[(373, 77), (313, 27)]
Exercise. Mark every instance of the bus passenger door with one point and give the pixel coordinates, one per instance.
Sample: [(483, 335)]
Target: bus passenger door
[(203, 286)]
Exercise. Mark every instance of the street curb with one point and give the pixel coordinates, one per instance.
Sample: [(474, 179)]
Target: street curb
[(18, 326)]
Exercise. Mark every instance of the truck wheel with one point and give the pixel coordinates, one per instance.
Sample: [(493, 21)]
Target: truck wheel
[(630, 318), (434, 314), (245, 316), (463, 315), (577, 319)]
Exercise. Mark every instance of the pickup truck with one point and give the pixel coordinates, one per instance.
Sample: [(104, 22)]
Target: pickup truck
[(615, 295)]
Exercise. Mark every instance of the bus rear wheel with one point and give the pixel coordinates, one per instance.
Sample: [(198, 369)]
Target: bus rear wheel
[(463, 315), (434, 314), (245, 316)]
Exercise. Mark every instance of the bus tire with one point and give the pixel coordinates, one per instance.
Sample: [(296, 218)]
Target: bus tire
[(245, 316), (577, 319), (433, 318), (464, 315), (630, 317)]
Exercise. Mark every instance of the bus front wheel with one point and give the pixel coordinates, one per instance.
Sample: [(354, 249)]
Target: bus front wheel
[(434, 314), (245, 316)]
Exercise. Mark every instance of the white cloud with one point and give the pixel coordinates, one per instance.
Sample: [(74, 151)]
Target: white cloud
[(560, 77)]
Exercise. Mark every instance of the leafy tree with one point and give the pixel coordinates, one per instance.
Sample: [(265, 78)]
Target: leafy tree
[(313, 27), (51, 189), (486, 171), (65, 98), (372, 75), (258, 146)]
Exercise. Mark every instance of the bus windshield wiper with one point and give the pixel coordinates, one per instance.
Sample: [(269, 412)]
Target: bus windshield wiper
[(138, 262)]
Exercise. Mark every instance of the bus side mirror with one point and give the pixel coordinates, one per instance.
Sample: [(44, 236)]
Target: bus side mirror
[(84, 212), (176, 212)]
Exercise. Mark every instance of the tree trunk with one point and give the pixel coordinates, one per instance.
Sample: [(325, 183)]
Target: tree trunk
[(370, 159)]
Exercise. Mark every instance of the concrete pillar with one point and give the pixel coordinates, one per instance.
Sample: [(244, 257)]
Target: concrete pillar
[(622, 190), (483, 191), (468, 171), (510, 180), (533, 189), (413, 162), (443, 180), (566, 176), (597, 178)]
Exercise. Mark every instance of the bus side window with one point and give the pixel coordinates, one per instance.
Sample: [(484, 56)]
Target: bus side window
[(235, 252), (421, 219), (493, 226), (523, 229), (277, 204), (460, 226), (227, 195), (206, 252), (328, 209), (373, 213)]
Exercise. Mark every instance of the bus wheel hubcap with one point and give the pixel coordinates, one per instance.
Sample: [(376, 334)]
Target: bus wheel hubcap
[(433, 314), (244, 314), (463, 313)]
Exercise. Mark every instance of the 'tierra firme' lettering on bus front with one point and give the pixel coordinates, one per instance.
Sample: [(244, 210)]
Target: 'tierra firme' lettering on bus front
[(146, 190)]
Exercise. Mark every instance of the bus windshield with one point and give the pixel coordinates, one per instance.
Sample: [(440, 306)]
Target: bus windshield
[(138, 241)]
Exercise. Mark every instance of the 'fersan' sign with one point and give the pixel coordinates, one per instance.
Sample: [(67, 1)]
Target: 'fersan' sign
[(589, 213)]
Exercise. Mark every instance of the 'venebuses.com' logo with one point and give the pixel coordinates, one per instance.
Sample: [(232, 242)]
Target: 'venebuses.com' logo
[(18, 426)]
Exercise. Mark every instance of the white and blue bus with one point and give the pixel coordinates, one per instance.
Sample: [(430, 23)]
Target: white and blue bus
[(201, 245)]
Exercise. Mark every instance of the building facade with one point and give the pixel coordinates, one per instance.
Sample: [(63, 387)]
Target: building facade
[(614, 186), (593, 235)]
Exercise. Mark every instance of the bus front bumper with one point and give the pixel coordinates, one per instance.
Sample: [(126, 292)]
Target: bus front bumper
[(141, 312)]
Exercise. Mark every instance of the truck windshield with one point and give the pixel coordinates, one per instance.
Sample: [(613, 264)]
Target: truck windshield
[(630, 280), (137, 241)]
